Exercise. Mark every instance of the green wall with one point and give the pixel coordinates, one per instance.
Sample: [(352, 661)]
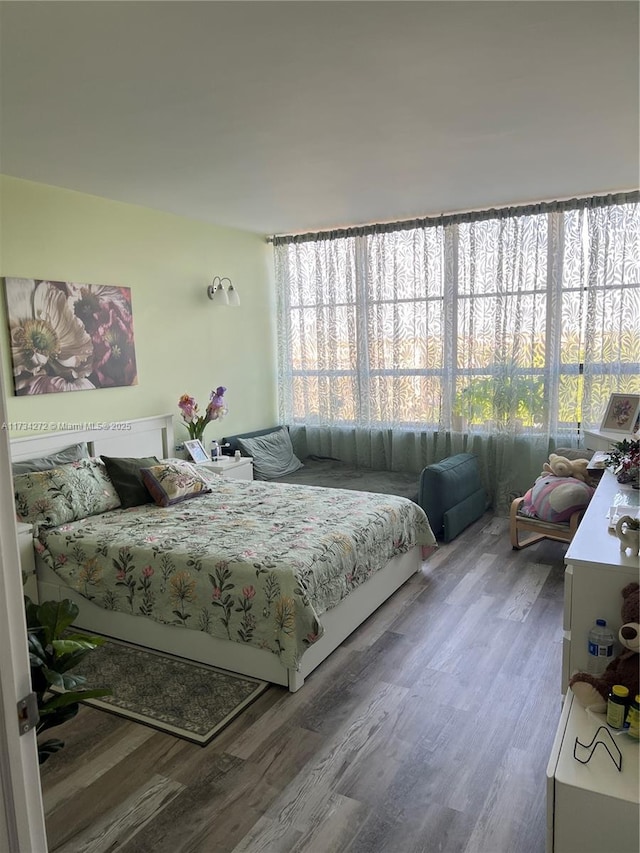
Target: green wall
[(184, 344)]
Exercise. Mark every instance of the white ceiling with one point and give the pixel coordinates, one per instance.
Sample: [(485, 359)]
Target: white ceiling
[(279, 117)]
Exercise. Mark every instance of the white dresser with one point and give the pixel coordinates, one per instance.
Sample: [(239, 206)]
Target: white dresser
[(592, 808), (229, 466), (599, 439), (596, 572)]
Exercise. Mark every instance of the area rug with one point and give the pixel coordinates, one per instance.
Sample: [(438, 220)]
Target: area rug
[(183, 698)]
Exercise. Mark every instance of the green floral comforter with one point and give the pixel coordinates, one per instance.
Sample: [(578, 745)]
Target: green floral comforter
[(251, 562)]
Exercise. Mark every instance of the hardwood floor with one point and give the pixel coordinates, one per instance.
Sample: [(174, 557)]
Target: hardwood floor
[(428, 730)]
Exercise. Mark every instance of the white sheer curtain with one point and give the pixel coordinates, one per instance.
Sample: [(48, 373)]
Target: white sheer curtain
[(499, 333)]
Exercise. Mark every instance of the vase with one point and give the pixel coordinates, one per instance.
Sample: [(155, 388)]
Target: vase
[(629, 476)]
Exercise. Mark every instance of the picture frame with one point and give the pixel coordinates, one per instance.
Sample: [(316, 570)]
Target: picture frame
[(196, 450), (82, 333), (622, 414)]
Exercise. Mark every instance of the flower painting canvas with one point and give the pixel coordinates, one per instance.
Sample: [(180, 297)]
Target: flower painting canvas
[(623, 411), (69, 337)]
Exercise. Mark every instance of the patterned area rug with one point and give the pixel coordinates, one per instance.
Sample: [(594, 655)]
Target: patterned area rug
[(186, 699)]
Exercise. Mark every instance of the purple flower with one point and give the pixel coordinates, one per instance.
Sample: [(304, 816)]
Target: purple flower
[(195, 422), (217, 408)]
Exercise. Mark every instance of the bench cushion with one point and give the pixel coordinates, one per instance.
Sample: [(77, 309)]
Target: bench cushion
[(452, 494)]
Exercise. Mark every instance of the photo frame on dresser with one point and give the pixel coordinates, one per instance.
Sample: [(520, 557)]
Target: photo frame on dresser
[(196, 450), (622, 414)]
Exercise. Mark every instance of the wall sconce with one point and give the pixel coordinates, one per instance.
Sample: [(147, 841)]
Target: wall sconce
[(219, 296)]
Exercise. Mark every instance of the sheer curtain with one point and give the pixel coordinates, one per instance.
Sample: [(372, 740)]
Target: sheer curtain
[(500, 333)]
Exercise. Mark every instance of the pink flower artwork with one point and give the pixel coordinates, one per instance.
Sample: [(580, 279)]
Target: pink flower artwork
[(69, 337)]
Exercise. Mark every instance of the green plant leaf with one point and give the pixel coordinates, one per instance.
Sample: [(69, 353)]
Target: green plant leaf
[(35, 649), (53, 677), (57, 717), (71, 681), (87, 638), (53, 650), (66, 662), (69, 645), (62, 700), (55, 617), (31, 612), (47, 749)]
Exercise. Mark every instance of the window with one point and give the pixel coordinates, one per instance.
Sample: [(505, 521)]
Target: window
[(522, 320)]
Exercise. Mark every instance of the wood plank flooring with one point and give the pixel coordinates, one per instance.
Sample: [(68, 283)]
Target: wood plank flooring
[(428, 730)]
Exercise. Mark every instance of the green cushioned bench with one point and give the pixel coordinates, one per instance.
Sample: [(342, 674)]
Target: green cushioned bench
[(335, 474), (452, 495)]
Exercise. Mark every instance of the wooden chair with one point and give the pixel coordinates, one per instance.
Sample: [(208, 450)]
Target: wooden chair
[(561, 532)]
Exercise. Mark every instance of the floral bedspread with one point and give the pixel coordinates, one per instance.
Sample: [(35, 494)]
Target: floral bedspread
[(251, 562)]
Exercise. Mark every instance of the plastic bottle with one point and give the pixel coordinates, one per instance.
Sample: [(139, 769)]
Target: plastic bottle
[(215, 451), (617, 704), (633, 718), (601, 642)]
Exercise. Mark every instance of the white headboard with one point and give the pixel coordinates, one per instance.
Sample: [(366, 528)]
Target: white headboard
[(139, 437)]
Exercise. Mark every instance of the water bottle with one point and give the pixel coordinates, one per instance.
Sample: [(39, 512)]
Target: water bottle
[(601, 642), (215, 451)]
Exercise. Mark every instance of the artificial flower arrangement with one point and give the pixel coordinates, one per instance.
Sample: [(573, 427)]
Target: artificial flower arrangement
[(625, 460), (195, 422)]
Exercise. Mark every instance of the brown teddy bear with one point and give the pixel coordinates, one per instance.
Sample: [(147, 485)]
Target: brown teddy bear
[(624, 669), (560, 466)]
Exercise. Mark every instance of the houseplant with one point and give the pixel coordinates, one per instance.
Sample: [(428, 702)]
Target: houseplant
[(503, 397), (53, 652)]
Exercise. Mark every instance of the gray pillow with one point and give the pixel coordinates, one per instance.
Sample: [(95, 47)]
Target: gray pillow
[(273, 455), (125, 474), (45, 463)]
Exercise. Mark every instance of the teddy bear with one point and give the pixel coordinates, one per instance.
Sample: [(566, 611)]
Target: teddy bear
[(624, 669), (560, 466)]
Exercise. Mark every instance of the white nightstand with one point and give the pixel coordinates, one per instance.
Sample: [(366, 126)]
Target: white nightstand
[(27, 559), (228, 466)]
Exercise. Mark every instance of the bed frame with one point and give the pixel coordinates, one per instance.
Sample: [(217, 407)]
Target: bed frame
[(154, 435)]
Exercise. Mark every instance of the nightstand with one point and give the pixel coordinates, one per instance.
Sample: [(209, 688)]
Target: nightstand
[(228, 466), (27, 559)]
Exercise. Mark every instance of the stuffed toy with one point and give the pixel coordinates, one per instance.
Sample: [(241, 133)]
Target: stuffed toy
[(555, 499), (593, 689), (560, 466)]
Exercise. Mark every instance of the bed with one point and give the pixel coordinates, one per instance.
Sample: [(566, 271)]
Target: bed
[(263, 579)]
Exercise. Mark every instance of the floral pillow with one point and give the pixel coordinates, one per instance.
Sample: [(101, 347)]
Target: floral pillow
[(64, 494), (173, 482)]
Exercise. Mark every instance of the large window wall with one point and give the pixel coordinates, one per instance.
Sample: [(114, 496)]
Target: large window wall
[(510, 321)]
